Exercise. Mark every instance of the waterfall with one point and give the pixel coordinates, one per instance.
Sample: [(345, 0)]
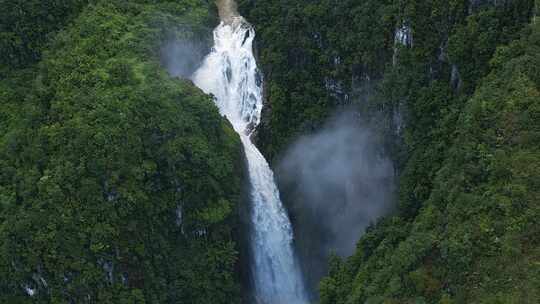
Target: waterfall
[(230, 73)]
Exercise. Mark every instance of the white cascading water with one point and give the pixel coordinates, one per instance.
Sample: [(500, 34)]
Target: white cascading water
[(230, 73)]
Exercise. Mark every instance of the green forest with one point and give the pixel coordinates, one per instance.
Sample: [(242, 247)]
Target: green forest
[(118, 183), (122, 184), (467, 85)]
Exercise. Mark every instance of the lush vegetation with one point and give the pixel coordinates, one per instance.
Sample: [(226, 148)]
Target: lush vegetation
[(118, 183), (459, 90), (27, 26), (312, 54), (475, 239)]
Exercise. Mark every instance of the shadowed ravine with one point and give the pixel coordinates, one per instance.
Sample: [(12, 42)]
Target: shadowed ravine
[(230, 73)]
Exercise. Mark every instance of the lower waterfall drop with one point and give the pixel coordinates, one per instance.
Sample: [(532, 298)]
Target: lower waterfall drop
[(230, 73)]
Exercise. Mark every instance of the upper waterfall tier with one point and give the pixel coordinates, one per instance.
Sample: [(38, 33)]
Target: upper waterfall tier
[(230, 73)]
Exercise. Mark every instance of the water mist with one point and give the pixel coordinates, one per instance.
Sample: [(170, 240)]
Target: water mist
[(337, 181)]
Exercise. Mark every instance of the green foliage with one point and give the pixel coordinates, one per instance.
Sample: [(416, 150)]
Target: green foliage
[(26, 26), (466, 87), (307, 45), (119, 184), (474, 239)]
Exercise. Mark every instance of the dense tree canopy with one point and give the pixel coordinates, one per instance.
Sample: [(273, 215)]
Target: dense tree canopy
[(119, 184), (475, 239)]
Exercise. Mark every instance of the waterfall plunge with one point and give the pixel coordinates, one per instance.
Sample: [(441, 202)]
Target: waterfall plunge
[(230, 73)]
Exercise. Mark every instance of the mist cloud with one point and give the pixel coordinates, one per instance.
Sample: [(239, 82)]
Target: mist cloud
[(336, 182), (182, 57)]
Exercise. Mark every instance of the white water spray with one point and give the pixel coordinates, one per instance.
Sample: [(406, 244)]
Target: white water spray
[(230, 73)]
